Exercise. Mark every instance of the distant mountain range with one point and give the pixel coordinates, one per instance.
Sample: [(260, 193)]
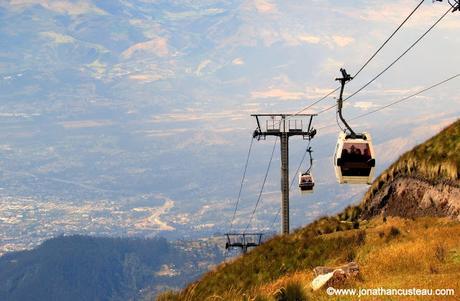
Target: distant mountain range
[(95, 268)]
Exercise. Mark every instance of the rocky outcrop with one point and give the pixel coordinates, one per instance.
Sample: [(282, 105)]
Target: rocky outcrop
[(414, 197), (327, 276)]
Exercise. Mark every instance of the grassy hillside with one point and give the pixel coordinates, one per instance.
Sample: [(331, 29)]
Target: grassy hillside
[(436, 160), (392, 253), (398, 253)]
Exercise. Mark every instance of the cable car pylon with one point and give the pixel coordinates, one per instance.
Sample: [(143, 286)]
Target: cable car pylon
[(278, 125), (243, 241)]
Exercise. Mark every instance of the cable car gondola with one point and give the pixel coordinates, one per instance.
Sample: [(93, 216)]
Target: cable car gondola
[(354, 158), (306, 180)]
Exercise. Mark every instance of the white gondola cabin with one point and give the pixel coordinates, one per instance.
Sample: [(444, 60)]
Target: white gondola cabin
[(354, 159), (306, 182)]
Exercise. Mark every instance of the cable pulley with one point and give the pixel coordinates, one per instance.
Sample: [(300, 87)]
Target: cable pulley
[(455, 4)]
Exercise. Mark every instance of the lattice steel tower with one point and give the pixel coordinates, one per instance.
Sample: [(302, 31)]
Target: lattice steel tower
[(284, 126)]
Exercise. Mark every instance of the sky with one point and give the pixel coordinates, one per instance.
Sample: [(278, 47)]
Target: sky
[(123, 99)]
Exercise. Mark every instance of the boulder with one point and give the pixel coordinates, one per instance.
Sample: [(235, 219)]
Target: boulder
[(333, 275), (321, 280)]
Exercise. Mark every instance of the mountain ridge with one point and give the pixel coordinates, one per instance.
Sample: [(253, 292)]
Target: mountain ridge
[(426, 177)]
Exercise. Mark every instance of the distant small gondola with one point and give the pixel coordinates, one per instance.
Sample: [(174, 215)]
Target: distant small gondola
[(306, 182)]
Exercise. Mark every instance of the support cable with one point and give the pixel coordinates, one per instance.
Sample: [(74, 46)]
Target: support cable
[(262, 187), (369, 60), (389, 38), (392, 64), (400, 100), (242, 182), (407, 97)]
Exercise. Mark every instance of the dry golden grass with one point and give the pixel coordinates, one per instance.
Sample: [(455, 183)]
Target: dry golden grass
[(301, 278), (422, 256), (423, 253), (426, 254)]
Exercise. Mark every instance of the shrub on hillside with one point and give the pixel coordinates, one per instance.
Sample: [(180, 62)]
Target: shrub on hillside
[(292, 292)]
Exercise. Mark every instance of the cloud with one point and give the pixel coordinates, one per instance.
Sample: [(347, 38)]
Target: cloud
[(145, 77), (58, 38), (78, 124), (18, 115), (202, 138), (364, 105), (317, 92), (201, 66), (154, 133), (282, 87), (191, 136), (238, 61), (62, 6), (309, 38), (187, 15), (342, 41), (331, 66), (163, 133), (264, 6), (97, 68), (401, 91), (190, 115), (270, 36), (295, 39), (142, 70), (157, 46), (278, 93), (394, 12)]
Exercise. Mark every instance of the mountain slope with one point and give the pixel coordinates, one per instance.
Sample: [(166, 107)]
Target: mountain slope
[(96, 268), (424, 181), (415, 248)]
